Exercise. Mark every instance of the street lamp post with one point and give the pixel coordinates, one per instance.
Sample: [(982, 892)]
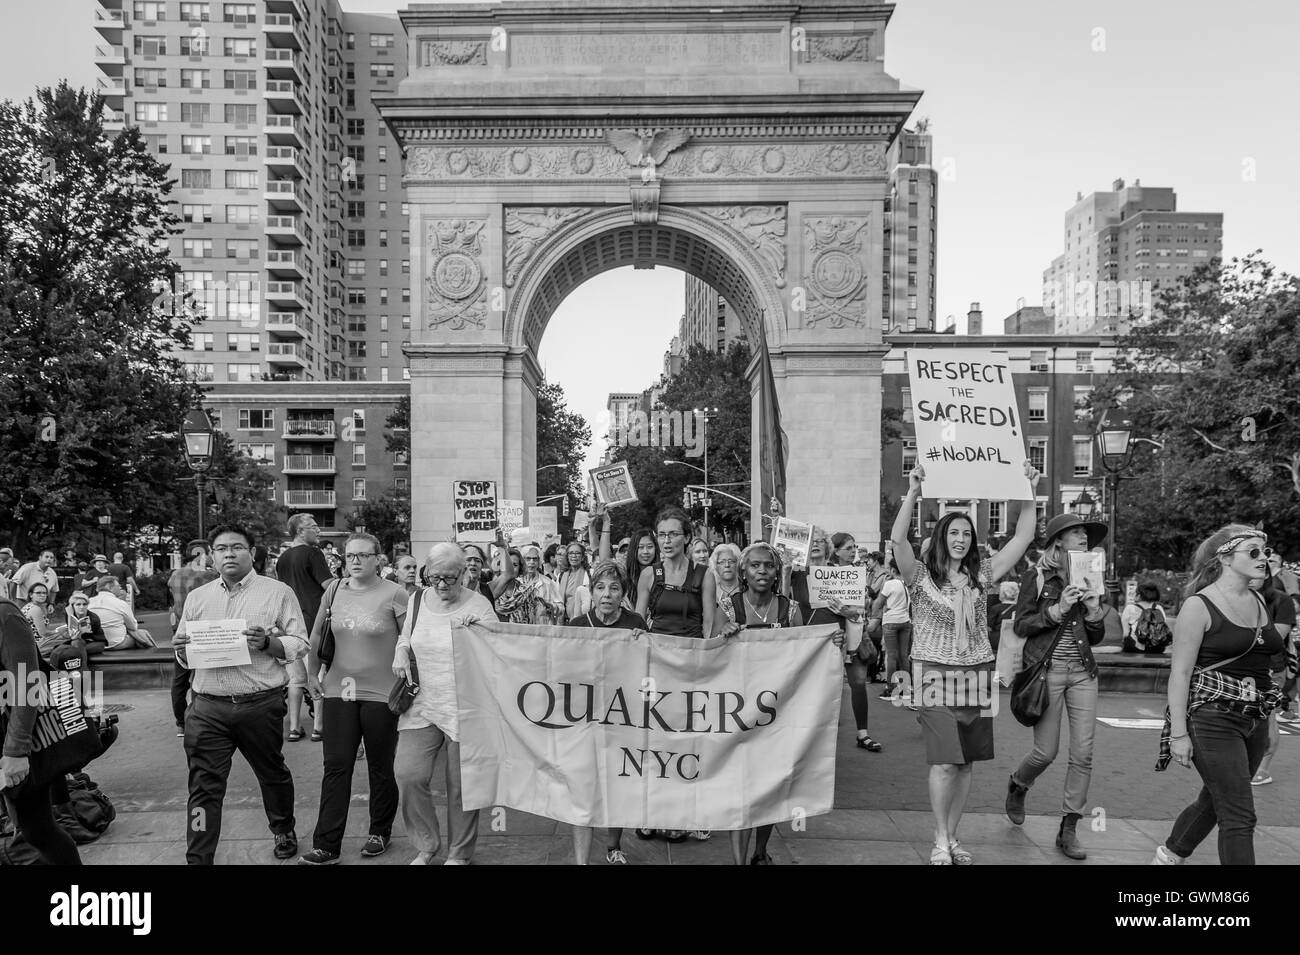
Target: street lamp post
[(1116, 454), (198, 434), (705, 414)]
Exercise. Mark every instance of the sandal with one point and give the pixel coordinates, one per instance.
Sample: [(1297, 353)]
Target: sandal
[(940, 855), (295, 735), (869, 744), (959, 855)]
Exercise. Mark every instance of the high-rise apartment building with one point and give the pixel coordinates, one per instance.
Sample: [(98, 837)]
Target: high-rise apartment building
[(294, 234), (911, 234), (295, 239), (1121, 248), (707, 319)]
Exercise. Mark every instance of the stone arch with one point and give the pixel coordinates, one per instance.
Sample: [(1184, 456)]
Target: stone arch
[(683, 238)]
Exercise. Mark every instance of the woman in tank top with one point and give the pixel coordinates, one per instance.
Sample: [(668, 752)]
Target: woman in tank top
[(676, 596), (1224, 633)]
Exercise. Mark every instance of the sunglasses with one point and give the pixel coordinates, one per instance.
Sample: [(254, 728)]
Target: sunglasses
[(1254, 553)]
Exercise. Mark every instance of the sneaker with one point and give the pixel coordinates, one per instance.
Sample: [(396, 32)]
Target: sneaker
[(1286, 716), (700, 835), (764, 859), (886, 697), (422, 858), (1261, 780), (180, 732), (456, 862), (319, 857), (286, 845), (1165, 857), (375, 846), (616, 857)]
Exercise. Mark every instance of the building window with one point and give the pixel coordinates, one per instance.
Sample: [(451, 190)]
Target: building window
[(256, 419), (155, 142), (1082, 408), (241, 215), (243, 341), (406, 233), (356, 127), (406, 211), (196, 12), (383, 209), (357, 324), (196, 248), (356, 349), (239, 12), (1082, 456), (997, 517), (150, 45), (383, 296), (193, 213), (381, 71), (406, 296), (356, 296), (240, 79), (1083, 362), (1038, 454), (155, 77), (350, 98), (907, 405), (355, 210), (195, 79), (243, 372), (349, 41), (241, 248), (356, 268), (909, 455), (358, 489), (239, 46), (241, 179), (406, 321), (241, 113), (358, 455), (383, 183), (201, 341), (356, 238), (241, 145), (151, 112), (200, 371), (383, 374), (261, 453), (383, 153), (196, 145), (383, 266), (194, 46), (401, 485), (381, 41), (383, 349), (1037, 405), (1038, 361)]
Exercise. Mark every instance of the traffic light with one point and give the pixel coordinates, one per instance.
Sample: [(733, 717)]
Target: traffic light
[(564, 505)]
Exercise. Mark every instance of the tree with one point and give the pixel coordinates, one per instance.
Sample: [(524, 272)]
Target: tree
[(397, 433), (562, 438), (238, 492), (91, 387), (1212, 379), (387, 517)]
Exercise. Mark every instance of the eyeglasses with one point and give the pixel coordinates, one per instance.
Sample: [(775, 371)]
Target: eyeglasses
[(230, 548), (671, 535), (358, 556), (443, 580)]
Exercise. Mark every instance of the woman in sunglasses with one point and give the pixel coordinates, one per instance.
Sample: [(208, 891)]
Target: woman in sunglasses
[(1220, 694)]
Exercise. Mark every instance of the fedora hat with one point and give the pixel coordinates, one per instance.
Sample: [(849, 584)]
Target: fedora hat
[(1061, 523)]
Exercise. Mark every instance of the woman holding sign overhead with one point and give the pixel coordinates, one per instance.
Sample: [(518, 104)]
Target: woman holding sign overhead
[(952, 659), (1060, 620)]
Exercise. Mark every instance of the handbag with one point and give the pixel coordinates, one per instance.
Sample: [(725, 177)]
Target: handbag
[(1029, 687), (63, 739), (404, 691), (326, 652)]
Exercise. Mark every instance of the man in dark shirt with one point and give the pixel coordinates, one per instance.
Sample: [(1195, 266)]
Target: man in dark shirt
[(125, 579), (303, 569), (179, 586)]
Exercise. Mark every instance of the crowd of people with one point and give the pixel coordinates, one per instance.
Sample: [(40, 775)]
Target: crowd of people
[(331, 629)]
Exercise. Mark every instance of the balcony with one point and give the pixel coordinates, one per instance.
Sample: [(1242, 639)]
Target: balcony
[(285, 353), (113, 89), (286, 6), (284, 160), (288, 324), (321, 499), (282, 194), (282, 96), (285, 294), (109, 23), (283, 30), (283, 130), (282, 64), (114, 120), (111, 59), (309, 429), (285, 228), (309, 464), (283, 262)]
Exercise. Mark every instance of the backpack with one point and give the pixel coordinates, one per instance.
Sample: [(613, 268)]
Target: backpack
[(1151, 630), (87, 813)]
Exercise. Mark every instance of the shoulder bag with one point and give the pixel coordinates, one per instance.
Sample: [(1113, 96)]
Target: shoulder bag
[(1029, 686), (404, 691), (326, 652)]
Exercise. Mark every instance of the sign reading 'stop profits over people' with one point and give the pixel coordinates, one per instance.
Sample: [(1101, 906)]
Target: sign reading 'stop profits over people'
[(475, 505), (969, 434)]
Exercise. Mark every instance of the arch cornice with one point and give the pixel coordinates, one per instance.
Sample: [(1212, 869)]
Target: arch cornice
[(522, 328)]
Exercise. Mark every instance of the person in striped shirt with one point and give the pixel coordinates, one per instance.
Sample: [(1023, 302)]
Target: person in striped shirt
[(240, 707)]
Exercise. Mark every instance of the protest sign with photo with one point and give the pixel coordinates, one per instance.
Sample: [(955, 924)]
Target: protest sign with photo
[(969, 435), (847, 584), (510, 514), (791, 540), (614, 484), (475, 504), (544, 521), (581, 520), (1088, 571), (557, 722)]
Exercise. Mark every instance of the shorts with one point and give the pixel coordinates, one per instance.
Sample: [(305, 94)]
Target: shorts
[(297, 674)]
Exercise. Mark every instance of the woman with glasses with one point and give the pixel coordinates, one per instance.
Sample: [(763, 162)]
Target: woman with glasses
[(607, 613), (676, 595), (37, 610), (575, 581), (1220, 694), (366, 613), (432, 722), (951, 653), (856, 661), (725, 564)]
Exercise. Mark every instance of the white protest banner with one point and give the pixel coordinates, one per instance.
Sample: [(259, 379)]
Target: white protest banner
[(510, 514), (216, 643), (581, 519), (594, 728), (475, 504), (545, 521), (792, 540), (614, 484), (521, 536), (969, 436), (847, 584)]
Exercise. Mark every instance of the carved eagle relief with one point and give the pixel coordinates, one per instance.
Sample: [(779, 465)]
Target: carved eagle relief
[(645, 148)]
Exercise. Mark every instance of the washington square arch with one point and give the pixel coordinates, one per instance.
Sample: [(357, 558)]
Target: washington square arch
[(741, 141)]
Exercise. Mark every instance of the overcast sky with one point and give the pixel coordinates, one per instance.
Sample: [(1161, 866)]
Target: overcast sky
[(1029, 102)]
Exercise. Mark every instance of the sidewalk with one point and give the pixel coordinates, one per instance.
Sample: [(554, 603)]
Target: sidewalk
[(881, 815)]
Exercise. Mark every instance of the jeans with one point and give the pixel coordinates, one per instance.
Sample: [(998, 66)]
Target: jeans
[(858, 674), (898, 649), (417, 751), (1071, 692), (1226, 750), (345, 723), (214, 729), (31, 809)]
